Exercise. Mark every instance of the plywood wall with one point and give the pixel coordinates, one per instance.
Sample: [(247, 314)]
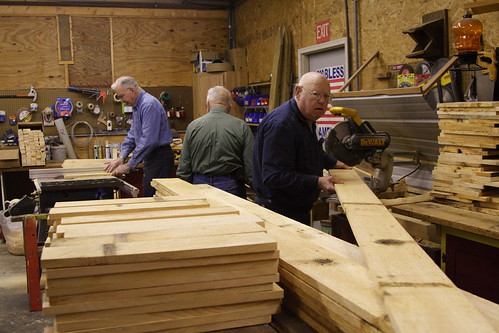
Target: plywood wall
[(153, 45), (381, 25)]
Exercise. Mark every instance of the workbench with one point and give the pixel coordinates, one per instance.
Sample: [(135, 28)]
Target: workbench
[(469, 245)]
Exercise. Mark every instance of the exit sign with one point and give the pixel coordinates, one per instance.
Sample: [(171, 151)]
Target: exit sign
[(322, 32)]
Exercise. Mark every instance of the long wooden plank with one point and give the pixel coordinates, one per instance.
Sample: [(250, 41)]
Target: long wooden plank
[(60, 273), (111, 228), (474, 222), (174, 298), (82, 163), (160, 277), (224, 325), (404, 273), (328, 310), (122, 201), (358, 71), (180, 319), (303, 311), (54, 257), (57, 213), (266, 280), (173, 233), (199, 302), (141, 215), (276, 70)]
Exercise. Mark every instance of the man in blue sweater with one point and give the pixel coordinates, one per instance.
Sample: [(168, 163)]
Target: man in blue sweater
[(149, 138), (288, 159)]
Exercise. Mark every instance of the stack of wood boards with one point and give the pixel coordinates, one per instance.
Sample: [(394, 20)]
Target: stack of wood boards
[(468, 163), (32, 147), (157, 264), (85, 168), (456, 218), (328, 285)]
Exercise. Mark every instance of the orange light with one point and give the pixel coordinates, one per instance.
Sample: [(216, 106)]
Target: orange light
[(467, 32)]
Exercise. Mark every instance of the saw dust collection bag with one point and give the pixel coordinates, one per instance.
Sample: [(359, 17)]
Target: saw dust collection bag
[(13, 234)]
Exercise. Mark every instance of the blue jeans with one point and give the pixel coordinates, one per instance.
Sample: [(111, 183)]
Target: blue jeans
[(228, 184)]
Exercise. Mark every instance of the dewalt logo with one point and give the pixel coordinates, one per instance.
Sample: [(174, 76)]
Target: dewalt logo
[(372, 142)]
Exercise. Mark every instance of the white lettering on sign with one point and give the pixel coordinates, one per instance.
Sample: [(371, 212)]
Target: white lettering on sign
[(322, 31)]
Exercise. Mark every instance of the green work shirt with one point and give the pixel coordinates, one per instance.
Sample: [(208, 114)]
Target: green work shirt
[(216, 144)]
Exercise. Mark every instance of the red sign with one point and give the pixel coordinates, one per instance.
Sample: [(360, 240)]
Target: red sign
[(322, 32)]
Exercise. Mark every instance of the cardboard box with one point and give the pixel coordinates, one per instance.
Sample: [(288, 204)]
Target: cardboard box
[(219, 67), (9, 158), (205, 55)]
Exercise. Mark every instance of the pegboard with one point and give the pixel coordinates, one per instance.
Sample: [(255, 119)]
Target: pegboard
[(179, 97)]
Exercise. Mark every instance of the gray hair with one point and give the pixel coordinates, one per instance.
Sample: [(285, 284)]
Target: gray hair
[(125, 82), (218, 95)]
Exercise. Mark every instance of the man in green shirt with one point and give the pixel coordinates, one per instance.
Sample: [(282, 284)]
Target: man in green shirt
[(218, 147)]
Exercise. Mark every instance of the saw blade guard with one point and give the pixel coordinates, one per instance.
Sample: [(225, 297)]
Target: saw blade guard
[(353, 140)]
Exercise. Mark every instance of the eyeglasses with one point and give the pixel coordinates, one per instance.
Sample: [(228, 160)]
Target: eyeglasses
[(122, 95), (318, 95)]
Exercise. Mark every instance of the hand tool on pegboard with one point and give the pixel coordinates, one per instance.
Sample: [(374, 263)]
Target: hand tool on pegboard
[(97, 93), (31, 94)]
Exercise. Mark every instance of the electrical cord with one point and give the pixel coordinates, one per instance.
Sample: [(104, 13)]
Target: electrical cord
[(410, 173), (73, 137)]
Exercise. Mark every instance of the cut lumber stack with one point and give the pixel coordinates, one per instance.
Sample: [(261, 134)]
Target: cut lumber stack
[(323, 283), (328, 285), (468, 163), (32, 147), (129, 265)]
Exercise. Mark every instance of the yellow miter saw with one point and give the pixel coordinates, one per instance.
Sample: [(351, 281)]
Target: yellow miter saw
[(354, 140)]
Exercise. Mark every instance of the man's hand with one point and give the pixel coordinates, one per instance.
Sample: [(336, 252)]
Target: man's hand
[(121, 170), (326, 183), (340, 165), (111, 166)]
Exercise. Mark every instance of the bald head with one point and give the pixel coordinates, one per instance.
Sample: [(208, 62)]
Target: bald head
[(311, 95), (312, 78)]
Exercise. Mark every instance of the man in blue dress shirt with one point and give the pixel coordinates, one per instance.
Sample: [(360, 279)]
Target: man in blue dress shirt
[(149, 138)]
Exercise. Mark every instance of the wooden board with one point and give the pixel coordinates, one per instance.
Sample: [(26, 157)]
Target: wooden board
[(53, 257), (172, 300), (277, 70), (57, 213), (178, 320), (122, 201), (418, 228), (266, 280), (58, 273), (155, 214), (476, 223), (116, 228), (410, 282), (328, 311), (91, 37), (206, 231), (179, 301)]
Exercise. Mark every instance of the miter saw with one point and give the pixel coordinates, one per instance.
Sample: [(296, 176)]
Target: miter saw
[(354, 140)]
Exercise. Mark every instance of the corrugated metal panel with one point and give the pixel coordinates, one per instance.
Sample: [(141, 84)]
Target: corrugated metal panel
[(411, 123)]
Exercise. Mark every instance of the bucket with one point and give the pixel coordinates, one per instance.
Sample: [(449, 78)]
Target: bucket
[(58, 153)]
